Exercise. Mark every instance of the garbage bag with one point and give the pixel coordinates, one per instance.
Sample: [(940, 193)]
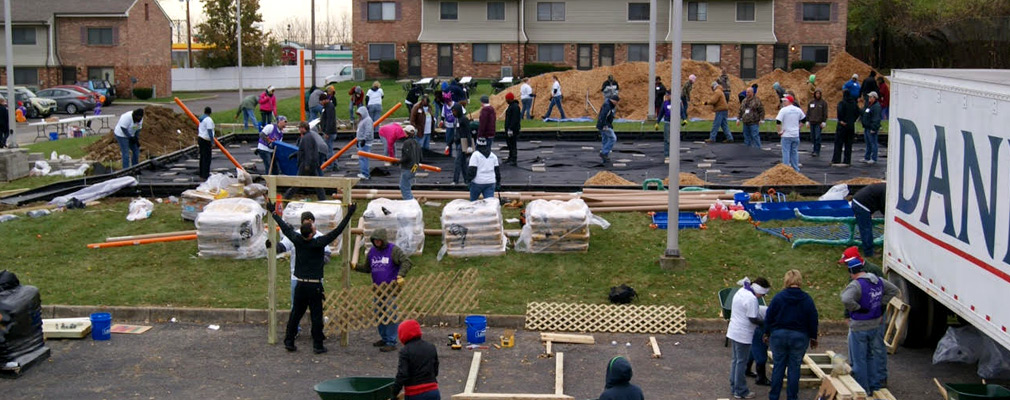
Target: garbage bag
[(140, 208), (959, 345), (837, 192), (20, 318), (994, 360)]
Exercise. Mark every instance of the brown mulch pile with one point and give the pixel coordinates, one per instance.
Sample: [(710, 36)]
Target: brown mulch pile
[(829, 79), (164, 131), (687, 179), (607, 178), (779, 175), (862, 180)]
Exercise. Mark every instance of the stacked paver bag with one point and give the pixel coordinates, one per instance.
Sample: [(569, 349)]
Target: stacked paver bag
[(327, 213), (472, 228), (402, 220), (231, 228), (557, 226)]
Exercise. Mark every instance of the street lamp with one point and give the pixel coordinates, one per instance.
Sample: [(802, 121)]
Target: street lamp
[(288, 38), (189, 38)]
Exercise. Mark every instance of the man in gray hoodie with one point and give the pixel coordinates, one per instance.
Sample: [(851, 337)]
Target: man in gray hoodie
[(865, 298), (364, 136)]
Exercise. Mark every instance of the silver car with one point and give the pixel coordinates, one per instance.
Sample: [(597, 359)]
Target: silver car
[(69, 100), (37, 107)]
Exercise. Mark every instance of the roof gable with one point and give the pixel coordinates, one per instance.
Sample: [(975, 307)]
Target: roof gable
[(43, 10)]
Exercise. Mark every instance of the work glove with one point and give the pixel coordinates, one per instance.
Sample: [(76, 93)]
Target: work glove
[(655, 127), (351, 208), (509, 132), (399, 280), (823, 124), (268, 244), (270, 206)]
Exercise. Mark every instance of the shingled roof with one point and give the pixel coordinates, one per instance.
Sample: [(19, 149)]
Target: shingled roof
[(43, 10)]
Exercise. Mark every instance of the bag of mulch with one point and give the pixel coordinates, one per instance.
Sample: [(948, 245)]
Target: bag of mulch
[(622, 294)]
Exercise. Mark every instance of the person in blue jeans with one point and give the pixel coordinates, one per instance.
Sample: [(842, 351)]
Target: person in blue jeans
[(556, 98), (745, 317), (867, 201), (605, 124), (387, 264), (871, 127), (721, 108), (364, 136), (410, 157), (484, 168), (127, 133), (790, 325), (664, 117), (864, 299)]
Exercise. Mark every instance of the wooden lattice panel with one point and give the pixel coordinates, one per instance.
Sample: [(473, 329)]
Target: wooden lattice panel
[(577, 317), (443, 293)]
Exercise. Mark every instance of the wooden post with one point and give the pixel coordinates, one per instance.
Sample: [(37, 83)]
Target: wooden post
[(346, 254), (301, 79), (271, 181)]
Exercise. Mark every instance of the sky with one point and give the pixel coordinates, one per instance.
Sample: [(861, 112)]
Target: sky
[(274, 12)]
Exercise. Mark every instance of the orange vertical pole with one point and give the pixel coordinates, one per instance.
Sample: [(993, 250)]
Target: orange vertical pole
[(301, 80), (219, 145)]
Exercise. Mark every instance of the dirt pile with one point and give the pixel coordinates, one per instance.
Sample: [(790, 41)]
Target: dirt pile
[(829, 79), (607, 178), (780, 174), (862, 180), (687, 179), (164, 131)]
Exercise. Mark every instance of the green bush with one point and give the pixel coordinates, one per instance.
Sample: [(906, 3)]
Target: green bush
[(390, 67), (143, 93), (534, 69), (803, 64)]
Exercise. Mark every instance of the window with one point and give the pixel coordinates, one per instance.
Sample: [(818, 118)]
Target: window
[(69, 75), (638, 11), (638, 52), (818, 54), (381, 51), (496, 11), (745, 11), (705, 52), (551, 53), (697, 11), (550, 11), (381, 11), (449, 10), (26, 76), (606, 55), (22, 35), (488, 53), (100, 37), (815, 12)]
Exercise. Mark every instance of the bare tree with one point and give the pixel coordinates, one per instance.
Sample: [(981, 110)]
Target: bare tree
[(329, 31)]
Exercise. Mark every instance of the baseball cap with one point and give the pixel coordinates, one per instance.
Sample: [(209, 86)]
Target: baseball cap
[(789, 99)]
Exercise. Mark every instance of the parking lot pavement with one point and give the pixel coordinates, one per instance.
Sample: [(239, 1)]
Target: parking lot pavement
[(187, 361)]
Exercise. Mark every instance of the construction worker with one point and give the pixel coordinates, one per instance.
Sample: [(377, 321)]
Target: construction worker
[(388, 264), (410, 157), (864, 299)]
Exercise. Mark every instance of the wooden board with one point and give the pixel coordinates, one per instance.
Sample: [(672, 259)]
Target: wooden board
[(471, 379), (509, 396), (883, 394), (66, 328), (559, 374), (567, 338), (655, 347), (858, 393), (897, 321), (129, 329)]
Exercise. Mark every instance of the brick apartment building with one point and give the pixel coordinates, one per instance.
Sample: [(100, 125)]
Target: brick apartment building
[(63, 41), (489, 38)]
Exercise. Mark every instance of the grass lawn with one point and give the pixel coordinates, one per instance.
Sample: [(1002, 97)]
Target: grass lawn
[(171, 274)]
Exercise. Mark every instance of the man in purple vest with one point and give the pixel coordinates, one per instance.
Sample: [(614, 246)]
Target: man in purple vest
[(864, 300), (387, 263)]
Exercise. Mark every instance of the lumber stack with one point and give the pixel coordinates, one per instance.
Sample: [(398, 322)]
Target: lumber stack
[(555, 226), (327, 214), (619, 200), (231, 228), (402, 219), (473, 228)]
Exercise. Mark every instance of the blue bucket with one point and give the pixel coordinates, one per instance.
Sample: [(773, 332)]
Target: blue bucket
[(741, 198), (101, 326), (476, 327), (54, 135)]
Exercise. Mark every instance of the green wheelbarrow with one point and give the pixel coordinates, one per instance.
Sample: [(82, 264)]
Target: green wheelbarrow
[(356, 388), (975, 391)]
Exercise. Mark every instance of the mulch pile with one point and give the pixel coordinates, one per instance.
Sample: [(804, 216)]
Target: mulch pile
[(779, 175), (687, 179), (164, 131), (607, 178), (862, 180), (633, 78)]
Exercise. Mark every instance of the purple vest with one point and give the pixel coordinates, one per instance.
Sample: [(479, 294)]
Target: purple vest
[(275, 135), (383, 269), (872, 293)]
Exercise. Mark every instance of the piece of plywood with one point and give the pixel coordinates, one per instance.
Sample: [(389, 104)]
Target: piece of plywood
[(655, 347), (129, 329), (66, 328), (471, 379), (559, 374), (566, 338)]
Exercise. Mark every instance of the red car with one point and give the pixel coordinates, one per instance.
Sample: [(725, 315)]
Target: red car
[(98, 96)]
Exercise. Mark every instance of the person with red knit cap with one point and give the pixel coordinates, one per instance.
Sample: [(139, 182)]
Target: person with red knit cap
[(417, 371)]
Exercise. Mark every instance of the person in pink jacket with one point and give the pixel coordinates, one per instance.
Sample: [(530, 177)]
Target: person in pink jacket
[(268, 105), (389, 134)]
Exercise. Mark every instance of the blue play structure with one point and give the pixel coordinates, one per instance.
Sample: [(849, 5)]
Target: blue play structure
[(841, 232), (688, 220), (768, 211)]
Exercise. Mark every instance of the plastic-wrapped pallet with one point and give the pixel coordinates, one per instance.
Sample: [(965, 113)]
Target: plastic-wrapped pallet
[(472, 228), (402, 220), (231, 228), (557, 226), (193, 202), (328, 215)]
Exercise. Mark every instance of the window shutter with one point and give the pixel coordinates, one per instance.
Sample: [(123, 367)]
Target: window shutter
[(398, 11), (115, 36), (834, 12), (84, 36), (799, 12)]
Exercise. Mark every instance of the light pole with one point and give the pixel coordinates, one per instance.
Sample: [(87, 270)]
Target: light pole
[(312, 28), (11, 100), (652, 59), (238, 23), (671, 257), (189, 39)]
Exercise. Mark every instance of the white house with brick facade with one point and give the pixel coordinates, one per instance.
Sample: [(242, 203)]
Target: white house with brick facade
[(63, 41), (479, 37)]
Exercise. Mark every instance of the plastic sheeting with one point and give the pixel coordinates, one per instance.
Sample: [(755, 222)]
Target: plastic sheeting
[(96, 191), (402, 219), (140, 208), (472, 228), (328, 215), (965, 344), (232, 228), (557, 226), (20, 318)]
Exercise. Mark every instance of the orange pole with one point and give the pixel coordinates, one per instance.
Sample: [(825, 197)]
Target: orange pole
[(375, 124), (301, 80), (381, 157), (355, 140), (219, 145), (138, 242)]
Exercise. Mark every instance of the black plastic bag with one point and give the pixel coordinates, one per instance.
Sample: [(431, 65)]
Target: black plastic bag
[(622, 294)]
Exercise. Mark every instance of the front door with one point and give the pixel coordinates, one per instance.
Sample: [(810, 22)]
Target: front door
[(414, 59), (780, 57), (445, 60), (748, 61), (585, 61)]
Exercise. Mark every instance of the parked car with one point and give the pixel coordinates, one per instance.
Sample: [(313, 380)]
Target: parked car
[(98, 96), (69, 100), (36, 106), (345, 74), (103, 87)]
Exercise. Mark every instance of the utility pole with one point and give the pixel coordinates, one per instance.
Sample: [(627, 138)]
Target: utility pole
[(652, 60), (312, 28), (11, 100), (671, 258), (189, 40), (238, 22)]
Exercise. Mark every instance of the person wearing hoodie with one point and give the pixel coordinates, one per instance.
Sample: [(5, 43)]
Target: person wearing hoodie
[(389, 134), (364, 136), (247, 109), (309, 156), (410, 157), (387, 264), (357, 99), (685, 98), (619, 386), (864, 299), (268, 105), (660, 95), (790, 325), (265, 146), (310, 251), (610, 87), (328, 123), (487, 121), (780, 92), (448, 122), (664, 116), (723, 82), (865, 202), (485, 172), (848, 113), (463, 141), (817, 117), (605, 124), (885, 97), (745, 317), (513, 123), (852, 86), (417, 370), (869, 85), (871, 127)]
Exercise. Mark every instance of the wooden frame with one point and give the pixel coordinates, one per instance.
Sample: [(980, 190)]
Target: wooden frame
[(344, 185), (471, 385), (897, 320)]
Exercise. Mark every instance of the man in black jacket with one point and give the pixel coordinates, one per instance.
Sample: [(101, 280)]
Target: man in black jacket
[(410, 157), (869, 85), (309, 259), (848, 113), (328, 120), (309, 157), (865, 202), (417, 371), (513, 118)]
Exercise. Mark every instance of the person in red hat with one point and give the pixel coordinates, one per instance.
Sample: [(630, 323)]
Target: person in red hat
[(864, 299), (513, 118), (417, 371)]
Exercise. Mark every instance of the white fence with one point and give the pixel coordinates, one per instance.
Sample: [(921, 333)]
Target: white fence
[(284, 76)]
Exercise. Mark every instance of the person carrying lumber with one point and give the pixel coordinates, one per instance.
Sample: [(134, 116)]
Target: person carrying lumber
[(310, 152), (247, 109), (619, 386), (410, 157), (387, 264), (365, 135), (605, 124), (865, 298), (311, 255), (744, 318), (417, 370), (513, 123), (265, 147), (484, 172), (205, 141)]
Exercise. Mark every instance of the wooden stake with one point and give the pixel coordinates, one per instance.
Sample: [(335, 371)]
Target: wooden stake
[(655, 348), (559, 374), (566, 338), (471, 379)]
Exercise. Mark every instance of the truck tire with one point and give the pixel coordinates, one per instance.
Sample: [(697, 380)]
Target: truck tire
[(927, 318)]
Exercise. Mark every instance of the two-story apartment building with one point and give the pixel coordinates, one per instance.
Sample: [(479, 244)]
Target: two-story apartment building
[(63, 41), (489, 38)]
